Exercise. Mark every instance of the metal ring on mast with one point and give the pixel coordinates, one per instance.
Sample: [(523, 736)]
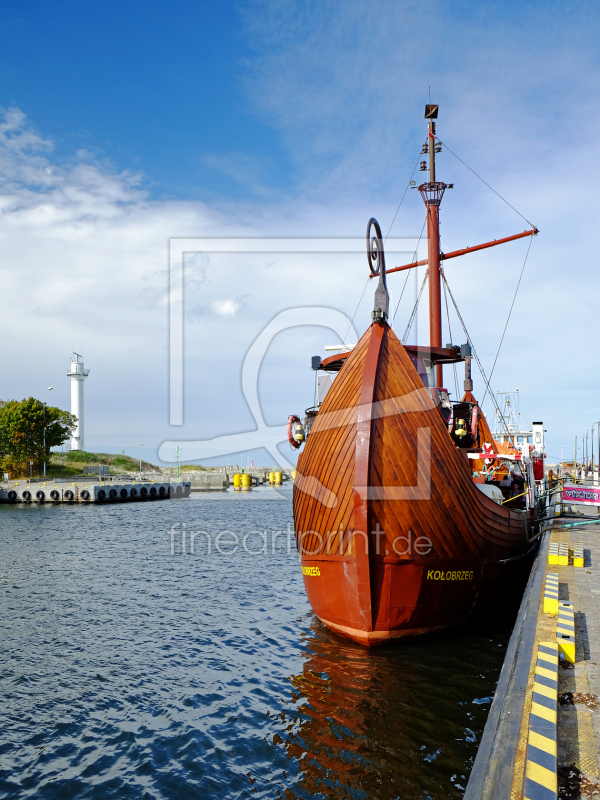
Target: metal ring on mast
[(375, 254)]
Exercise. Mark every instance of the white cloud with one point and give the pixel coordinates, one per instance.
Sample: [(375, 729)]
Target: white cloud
[(225, 308), (84, 249)]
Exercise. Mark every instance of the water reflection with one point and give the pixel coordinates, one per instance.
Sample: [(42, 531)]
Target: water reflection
[(397, 721)]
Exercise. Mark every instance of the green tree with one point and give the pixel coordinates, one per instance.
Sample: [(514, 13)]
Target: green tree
[(22, 426)]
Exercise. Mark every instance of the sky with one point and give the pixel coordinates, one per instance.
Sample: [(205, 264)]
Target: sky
[(124, 126)]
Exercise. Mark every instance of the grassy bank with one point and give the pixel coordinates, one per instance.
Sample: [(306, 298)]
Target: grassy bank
[(73, 462)]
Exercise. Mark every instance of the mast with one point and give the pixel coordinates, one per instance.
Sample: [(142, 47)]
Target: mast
[(432, 193)]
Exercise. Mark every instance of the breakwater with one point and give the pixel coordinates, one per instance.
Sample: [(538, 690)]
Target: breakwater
[(86, 492)]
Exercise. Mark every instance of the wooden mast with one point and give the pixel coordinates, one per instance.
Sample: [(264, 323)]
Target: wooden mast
[(432, 194)]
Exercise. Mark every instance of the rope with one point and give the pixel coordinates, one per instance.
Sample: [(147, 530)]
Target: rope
[(485, 380), (403, 196), (486, 183), (408, 271), (356, 309), (450, 332), (385, 240), (414, 311), (508, 318)]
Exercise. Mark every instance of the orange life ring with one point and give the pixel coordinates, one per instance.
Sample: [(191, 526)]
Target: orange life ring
[(290, 431)]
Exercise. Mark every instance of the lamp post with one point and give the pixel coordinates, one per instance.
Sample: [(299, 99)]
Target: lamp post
[(561, 462), (587, 452), (49, 389), (586, 459), (141, 445), (593, 460)]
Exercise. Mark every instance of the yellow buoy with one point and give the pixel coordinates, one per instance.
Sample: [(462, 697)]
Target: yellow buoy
[(237, 482), (271, 477), (293, 474), (246, 483), (278, 479)]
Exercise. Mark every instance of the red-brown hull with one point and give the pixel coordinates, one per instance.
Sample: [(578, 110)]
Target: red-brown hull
[(395, 539)]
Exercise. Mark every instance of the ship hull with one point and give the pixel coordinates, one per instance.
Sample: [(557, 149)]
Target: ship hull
[(395, 539)]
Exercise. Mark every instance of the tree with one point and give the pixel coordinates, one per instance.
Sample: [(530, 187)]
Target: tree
[(22, 426)]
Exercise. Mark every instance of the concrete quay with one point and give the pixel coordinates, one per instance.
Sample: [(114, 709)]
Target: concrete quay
[(542, 736), (220, 481), (87, 492)]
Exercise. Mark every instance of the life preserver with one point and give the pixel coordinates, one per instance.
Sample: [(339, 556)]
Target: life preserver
[(475, 424), (293, 419)]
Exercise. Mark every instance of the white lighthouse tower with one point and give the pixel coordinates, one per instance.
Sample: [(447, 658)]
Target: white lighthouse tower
[(77, 373)]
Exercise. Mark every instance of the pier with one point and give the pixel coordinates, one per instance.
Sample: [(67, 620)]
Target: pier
[(126, 489), (542, 736), (86, 492)]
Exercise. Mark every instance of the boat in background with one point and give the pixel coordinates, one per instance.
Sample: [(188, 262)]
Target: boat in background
[(410, 516)]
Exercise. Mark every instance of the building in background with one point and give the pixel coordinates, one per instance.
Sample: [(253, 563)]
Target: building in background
[(77, 373)]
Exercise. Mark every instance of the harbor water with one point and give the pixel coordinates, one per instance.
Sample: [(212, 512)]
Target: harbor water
[(167, 650)]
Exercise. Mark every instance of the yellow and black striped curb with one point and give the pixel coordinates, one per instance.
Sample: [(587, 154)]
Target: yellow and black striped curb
[(558, 553), (551, 594), (577, 553), (540, 762), (565, 631)]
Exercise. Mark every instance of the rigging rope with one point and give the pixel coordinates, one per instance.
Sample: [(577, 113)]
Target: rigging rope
[(450, 332), (486, 183), (356, 309), (485, 380), (408, 271), (403, 196), (508, 318), (385, 240), (414, 311)]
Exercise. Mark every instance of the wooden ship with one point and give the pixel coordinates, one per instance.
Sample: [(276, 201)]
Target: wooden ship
[(409, 515)]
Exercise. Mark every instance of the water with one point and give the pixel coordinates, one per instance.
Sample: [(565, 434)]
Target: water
[(130, 672)]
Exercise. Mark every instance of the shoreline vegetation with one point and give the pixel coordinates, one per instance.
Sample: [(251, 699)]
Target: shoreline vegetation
[(72, 463)]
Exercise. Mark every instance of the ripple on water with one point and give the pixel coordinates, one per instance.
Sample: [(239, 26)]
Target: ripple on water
[(129, 672)]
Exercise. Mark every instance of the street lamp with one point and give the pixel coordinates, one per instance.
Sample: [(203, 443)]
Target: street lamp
[(49, 389), (141, 445), (593, 460)]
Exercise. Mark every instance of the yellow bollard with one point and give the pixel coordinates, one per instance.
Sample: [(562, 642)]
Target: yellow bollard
[(271, 478), (237, 482), (246, 483), (293, 474), (278, 479)]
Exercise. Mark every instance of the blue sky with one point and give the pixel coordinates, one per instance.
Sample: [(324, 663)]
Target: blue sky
[(124, 125), (152, 86)]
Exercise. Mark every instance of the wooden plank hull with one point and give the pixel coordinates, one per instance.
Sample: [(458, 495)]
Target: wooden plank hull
[(395, 539)]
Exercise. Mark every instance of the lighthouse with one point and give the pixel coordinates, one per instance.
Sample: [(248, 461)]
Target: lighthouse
[(77, 373)]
